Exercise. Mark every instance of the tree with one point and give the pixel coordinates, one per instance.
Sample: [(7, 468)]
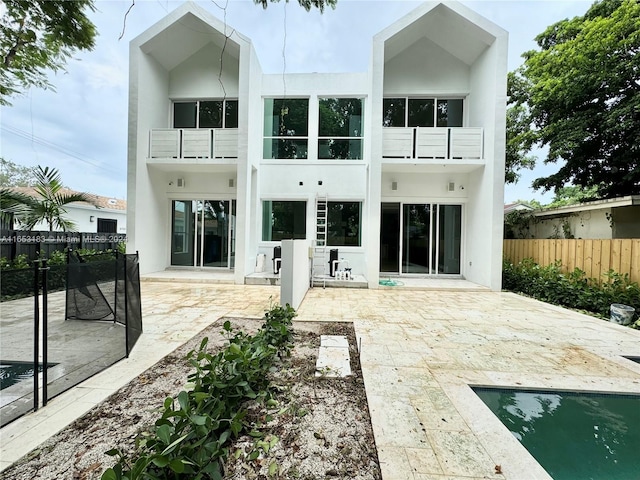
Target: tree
[(572, 195), (306, 4), (519, 133), (48, 204), (14, 175), (40, 35), (581, 93)]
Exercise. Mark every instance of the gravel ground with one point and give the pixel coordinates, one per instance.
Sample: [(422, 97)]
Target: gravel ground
[(319, 429)]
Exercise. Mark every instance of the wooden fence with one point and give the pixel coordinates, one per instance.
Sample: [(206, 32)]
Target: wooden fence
[(595, 257)]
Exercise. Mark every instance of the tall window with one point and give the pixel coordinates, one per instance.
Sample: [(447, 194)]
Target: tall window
[(283, 220), (344, 224), (286, 128), (206, 114), (422, 112), (340, 128)]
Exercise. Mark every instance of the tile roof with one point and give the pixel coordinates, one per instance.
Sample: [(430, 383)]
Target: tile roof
[(103, 202)]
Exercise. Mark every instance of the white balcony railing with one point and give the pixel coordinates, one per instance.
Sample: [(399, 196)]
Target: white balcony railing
[(432, 142), (193, 143)]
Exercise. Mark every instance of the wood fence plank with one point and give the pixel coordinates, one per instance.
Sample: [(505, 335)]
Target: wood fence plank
[(615, 255), (625, 256), (571, 260), (605, 255), (579, 256), (587, 255), (634, 276), (565, 255), (595, 257)]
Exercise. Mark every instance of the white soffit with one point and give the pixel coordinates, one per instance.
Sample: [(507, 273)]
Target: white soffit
[(451, 31), (179, 40)]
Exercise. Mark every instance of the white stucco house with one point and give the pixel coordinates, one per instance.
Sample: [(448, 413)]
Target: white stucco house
[(600, 219), (110, 215), (400, 168)]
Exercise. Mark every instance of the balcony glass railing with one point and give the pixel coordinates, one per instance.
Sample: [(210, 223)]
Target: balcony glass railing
[(193, 143), (432, 142)]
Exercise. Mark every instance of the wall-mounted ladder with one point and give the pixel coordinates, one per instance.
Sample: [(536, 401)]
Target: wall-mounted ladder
[(319, 263)]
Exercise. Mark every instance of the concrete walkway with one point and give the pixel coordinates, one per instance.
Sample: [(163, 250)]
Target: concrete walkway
[(420, 351)]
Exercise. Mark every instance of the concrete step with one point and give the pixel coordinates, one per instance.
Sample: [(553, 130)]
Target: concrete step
[(333, 357)]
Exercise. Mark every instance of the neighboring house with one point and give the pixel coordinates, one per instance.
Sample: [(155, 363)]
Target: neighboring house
[(111, 217), (601, 219), (399, 168), (517, 207)]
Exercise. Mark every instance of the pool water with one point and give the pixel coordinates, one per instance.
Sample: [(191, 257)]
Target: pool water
[(12, 372), (573, 435)]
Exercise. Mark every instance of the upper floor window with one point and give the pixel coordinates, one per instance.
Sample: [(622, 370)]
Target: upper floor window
[(206, 114), (286, 128), (340, 128), (422, 112)]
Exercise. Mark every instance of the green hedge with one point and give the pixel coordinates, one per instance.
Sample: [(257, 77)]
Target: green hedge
[(572, 290), (191, 439), (16, 277)]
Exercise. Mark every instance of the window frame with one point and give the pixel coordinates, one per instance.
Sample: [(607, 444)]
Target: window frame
[(223, 114), (297, 139), (113, 222), (435, 99), (342, 138), (331, 240), (286, 235)]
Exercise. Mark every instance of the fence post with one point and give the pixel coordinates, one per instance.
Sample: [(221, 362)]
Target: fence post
[(45, 321), (36, 334)]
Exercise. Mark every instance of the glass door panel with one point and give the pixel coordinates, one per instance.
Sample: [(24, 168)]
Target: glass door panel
[(416, 245), (213, 233), (390, 238), (182, 230), (202, 233), (449, 238)]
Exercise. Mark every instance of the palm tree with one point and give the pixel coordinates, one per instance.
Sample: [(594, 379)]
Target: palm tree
[(48, 204)]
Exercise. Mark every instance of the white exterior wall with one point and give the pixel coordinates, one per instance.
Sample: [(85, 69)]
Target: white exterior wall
[(146, 203), (425, 69), (81, 215), (192, 79), (342, 180), (586, 224), (487, 108), (417, 65)]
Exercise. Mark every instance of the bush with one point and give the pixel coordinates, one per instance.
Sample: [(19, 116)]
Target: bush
[(16, 277), (572, 290), (191, 438)]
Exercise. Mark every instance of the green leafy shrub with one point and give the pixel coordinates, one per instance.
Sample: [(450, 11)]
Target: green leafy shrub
[(573, 290), (190, 440), (17, 276)]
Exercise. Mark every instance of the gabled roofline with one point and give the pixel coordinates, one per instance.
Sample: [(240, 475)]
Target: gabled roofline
[(465, 12), (186, 8)]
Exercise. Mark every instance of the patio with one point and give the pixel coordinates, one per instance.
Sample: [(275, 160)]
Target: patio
[(420, 351)]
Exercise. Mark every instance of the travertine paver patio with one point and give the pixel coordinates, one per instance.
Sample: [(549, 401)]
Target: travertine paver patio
[(172, 314), (420, 350)]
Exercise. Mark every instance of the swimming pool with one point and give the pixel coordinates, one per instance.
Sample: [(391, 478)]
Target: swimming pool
[(12, 372), (573, 435)]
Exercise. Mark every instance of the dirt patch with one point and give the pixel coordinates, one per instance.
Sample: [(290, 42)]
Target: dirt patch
[(319, 429)]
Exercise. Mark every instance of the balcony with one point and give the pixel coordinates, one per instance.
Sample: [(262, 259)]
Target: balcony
[(454, 144), (193, 143)]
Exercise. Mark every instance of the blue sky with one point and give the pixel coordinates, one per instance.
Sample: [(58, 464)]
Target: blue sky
[(81, 127)]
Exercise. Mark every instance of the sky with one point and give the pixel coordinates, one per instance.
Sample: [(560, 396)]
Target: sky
[(81, 127)]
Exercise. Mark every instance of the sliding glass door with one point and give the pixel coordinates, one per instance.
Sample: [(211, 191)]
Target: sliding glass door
[(420, 238), (202, 233)]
